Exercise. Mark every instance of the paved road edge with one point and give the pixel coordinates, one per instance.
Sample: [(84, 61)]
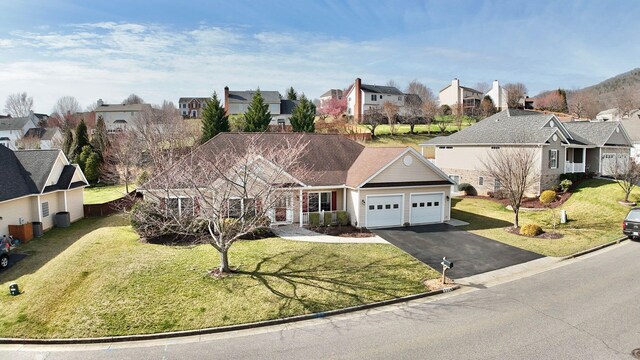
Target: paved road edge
[(593, 249), (222, 329)]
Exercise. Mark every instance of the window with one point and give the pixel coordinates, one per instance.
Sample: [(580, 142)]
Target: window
[(320, 201), (372, 207), (374, 97), (388, 206), (239, 207), (395, 206), (436, 203), (553, 159), (45, 209), (480, 180), (399, 98), (496, 185), (180, 205), (379, 207)]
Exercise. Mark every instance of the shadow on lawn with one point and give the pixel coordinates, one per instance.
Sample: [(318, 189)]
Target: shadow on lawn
[(478, 222), (39, 251), (294, 280)]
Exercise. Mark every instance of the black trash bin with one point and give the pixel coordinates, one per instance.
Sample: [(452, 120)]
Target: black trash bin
[(37, 228), (62, 219)]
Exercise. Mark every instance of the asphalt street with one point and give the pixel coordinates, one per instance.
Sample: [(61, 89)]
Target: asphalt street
[(586, 309)]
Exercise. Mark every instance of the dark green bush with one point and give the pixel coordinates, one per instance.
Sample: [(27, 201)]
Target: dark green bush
[(327, 218), (314, 219), (468, 189), (343, 218)]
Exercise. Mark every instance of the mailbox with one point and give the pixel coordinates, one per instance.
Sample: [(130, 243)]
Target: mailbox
[(446, 263), (13, 289)]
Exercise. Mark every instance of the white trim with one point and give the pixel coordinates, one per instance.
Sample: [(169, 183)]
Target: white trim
[(421, 158), (301, 215), (51, 169), (600, 160), (344, 199), (402, 187), (442, 202), (483, 144), (81, 173), (557, 152), (366, 208)]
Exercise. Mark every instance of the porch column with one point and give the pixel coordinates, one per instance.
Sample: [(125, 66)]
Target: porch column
[(344, 199), (584, 159), (300, 202)]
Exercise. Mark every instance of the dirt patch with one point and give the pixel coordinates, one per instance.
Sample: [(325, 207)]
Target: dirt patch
[(344, 231), (436, 284), (544, 235), (529, 203)]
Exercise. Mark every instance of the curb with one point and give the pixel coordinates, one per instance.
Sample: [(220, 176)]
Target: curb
[(596, 248), (222, 329)]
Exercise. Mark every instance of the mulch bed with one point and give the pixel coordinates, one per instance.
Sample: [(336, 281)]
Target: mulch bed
[(544, 235), (345, 231), (436, 284), (529, 203)]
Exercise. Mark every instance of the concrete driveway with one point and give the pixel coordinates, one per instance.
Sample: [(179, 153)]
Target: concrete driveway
[(472, 254)]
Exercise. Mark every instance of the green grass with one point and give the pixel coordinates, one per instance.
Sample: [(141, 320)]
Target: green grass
[(403, 140), (593, 210), (102, 194), (97, 279)]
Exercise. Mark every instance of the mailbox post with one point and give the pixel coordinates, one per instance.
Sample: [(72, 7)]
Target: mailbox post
[(446, 264)]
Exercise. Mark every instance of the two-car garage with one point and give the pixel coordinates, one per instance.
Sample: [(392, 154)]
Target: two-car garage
[(397, 209)]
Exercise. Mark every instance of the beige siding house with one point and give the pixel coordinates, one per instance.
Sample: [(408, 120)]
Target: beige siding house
[(570, 147), (377, 187), (456, 95), (37, 184)]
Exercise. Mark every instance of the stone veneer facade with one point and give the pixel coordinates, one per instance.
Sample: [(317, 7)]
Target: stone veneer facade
[(471, 177)]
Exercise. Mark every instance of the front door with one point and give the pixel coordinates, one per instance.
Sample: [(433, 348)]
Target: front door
[(282, 211)]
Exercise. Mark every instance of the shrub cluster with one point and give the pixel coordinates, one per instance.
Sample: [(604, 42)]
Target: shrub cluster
[(548, 196), (343, 218), (500, 194), (530, 230), (468, 189)]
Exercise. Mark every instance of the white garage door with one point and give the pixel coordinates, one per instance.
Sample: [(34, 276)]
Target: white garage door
[(613, 161), (384, 211), (426, 208)]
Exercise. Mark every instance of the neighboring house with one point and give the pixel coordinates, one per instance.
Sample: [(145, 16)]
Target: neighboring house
[(378, 187), (631, 124), (615, 114), (237, 102), (455, 95), (362, 98), (331, 94), (45, 138), (37, 184), (118, 117), (572, 147), (191, 107), (12, 130), (498, 95)]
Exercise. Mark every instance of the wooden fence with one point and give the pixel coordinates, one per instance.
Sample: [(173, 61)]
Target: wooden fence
[(111, 207)]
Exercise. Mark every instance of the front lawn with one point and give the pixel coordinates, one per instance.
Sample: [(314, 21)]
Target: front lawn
[(594, 213), (97, 279), (100, 194)]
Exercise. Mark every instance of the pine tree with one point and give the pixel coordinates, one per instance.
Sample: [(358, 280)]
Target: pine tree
[(67, 144), (92, 167), (214, 119), (292, 94), (81, 138), (302, 119), (100, 140), (83, 156), (257, 118)]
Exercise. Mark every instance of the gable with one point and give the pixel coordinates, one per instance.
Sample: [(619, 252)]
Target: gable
[(398, 171), (617, 138)]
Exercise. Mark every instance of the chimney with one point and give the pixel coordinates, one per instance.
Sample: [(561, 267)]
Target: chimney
[(100, 102), (455, 82), (358, 101), (226, 100)]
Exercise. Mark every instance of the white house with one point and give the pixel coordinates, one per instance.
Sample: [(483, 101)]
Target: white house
[(454, 95), (37, 184), (331, 94), (364, 97), (117, 117), (12, 130), (498, 95), (191, 106), (237, 102)]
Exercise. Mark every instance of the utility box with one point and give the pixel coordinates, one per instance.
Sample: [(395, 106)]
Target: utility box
[(563, 216), (14, 289)]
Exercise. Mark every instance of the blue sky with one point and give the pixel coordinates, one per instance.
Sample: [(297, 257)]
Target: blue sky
[(168, 49)]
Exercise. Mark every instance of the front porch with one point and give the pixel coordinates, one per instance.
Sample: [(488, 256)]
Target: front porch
[(575, 160), (299, 207)]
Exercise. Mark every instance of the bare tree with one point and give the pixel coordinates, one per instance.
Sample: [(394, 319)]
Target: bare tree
[(626, 173), (28, 143), (392, 83), (626, 101), (483, 87), (133, 99), (458, 115), (122, 159), (583, 104), (515, 93), (18, 104), (420, 89), (372, 119), (219, 199), (391, 112), (64, 112), (413, 112), (430, 110), (514, 169), (164, 135)]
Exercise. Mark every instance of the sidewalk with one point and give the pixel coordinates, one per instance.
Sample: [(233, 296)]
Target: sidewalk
[(296, 233)]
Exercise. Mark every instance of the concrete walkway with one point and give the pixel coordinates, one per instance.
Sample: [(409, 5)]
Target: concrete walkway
[(297, 233)]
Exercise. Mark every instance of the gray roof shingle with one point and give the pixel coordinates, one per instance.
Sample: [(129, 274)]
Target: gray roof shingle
[(270, 97), (10, 123), (381, 89), (38, 164), (596, 133), (14, 180), (42, 133)]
